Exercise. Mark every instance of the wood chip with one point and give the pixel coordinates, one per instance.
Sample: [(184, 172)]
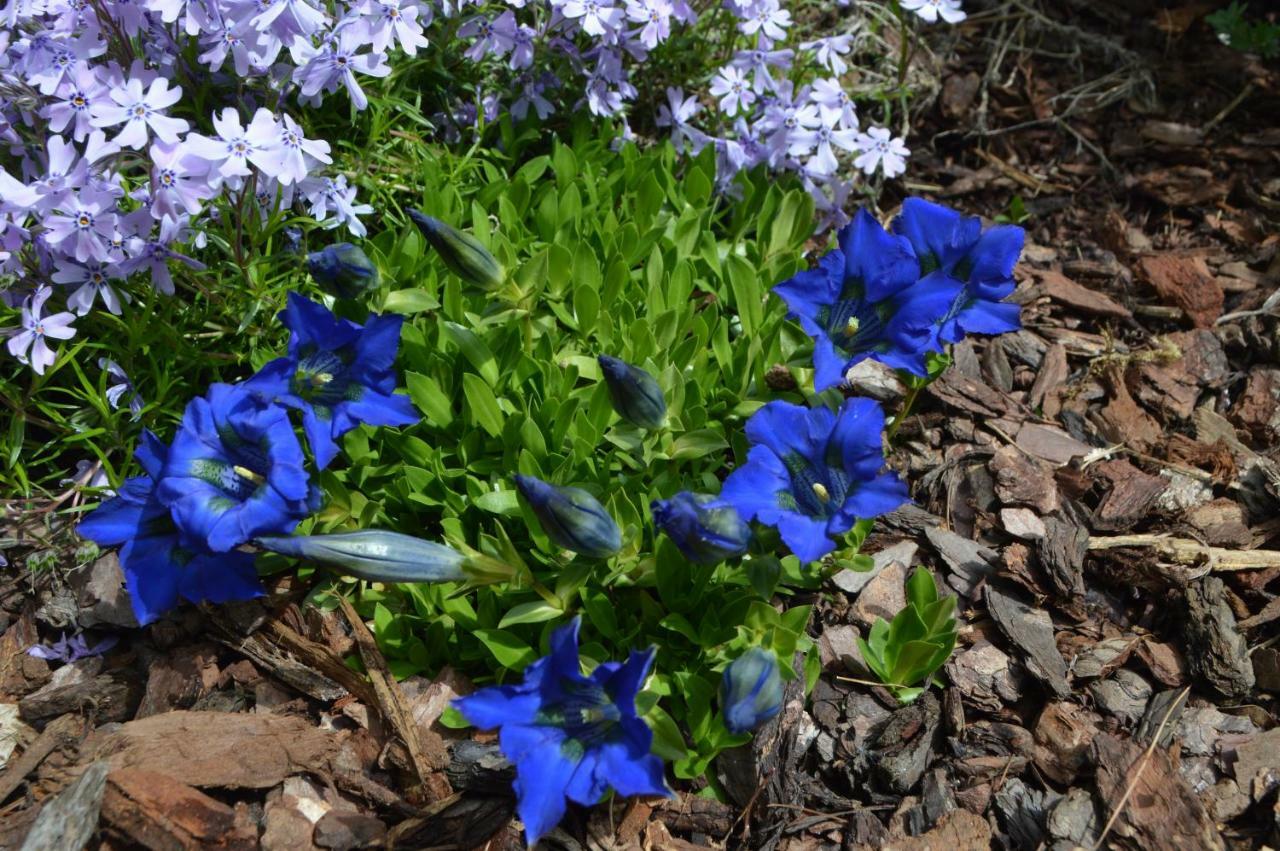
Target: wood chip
[(158, 811), (70, 819), (1032, 631), (1064, 735), (1217, 653), (1050, 443), (1130, 497), (218, 749), (1023, 480), (1063, 290), (1185, 281)]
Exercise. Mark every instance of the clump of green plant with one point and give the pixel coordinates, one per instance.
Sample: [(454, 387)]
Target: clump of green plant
[(1247, 36), (907, 652)]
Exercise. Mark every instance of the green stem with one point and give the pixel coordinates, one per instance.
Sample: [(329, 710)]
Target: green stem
[(907, 404), (904, 57)]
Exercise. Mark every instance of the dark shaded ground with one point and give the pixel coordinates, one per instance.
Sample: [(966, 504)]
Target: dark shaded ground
[(1100, 490)]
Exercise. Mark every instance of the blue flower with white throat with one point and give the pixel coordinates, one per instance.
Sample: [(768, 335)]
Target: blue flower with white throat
[(570, 736), (812, 473), (235, 470), (337, 373)]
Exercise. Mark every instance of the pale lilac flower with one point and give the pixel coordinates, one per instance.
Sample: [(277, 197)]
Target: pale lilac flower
[(91, 281), (89, 474), (179, 181), (834, 103), (655, 15), (140, 111), (236, 146), (74, 102), (531, 94), (597, 18), (730, 85), (82, 225), (335, 63), (60, 60), (231, 40), (120, 385), (75, 648), (35, 328), (830, 52), (64, 172), (829, 201), (496, 36), (880, 150), (397, 20), (522, 52), (931, 10), (286, 18), (676, 114), (760, 60), (333, 194), (768, 18), (294, 155), (154, 255), (823, 140)]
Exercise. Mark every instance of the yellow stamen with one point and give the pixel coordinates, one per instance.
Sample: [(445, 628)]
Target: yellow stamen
[(250, 475), (851, 327), (320, 379), (820, 491)]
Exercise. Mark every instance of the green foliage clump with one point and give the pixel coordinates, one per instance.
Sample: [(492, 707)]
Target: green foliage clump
[(1246, 36), (913, 647)]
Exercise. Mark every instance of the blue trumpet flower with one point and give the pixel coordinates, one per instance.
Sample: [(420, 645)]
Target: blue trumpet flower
[(160, 565), (571, 517), (861, 302), (961, 262), (337, 373), (750, 690), (812, 473), (570, 736), (705, 528), (235, 470)]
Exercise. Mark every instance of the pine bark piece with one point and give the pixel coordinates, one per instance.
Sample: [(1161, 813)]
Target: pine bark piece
[(69, 819), (1063, 290), (1185, 281), (960, 830), (1217, 653), (968, 562), (157, 811), (1061, 552), (1160, 813), (219, 749), (1131, 496), (1050, 443), (60, 733), (1032, 631), (898, 749), (105, 698), (1023, 480), (1173, 387), (1064, 734)]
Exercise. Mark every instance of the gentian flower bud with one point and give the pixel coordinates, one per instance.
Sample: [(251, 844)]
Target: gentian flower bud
[(705, 529), (374, 555), (343, 270), (751, 690), (461, 252), (635, 393), (571, 517)]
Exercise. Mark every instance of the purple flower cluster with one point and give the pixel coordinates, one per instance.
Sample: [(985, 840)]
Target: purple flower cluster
[(108, 173)]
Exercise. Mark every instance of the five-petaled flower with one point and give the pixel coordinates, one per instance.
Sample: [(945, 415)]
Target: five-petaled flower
[(812, 473), (28, 344), (337, 373), (235, 470), (568, 735)]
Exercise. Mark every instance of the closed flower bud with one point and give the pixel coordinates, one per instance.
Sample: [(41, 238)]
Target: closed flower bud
[(571, 517), (751, 690), (461, 252), (635, 393), (343, 270), (705, 529), (374, 555)]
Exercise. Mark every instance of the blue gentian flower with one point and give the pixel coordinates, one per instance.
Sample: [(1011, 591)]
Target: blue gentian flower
[(235, 470), (343, 269), (160, 565), (855, 304), (750, 690), (635, 394), (959, 260), (705, 528), (571, 517), (338, 373), (812, 474), (568, 735)]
